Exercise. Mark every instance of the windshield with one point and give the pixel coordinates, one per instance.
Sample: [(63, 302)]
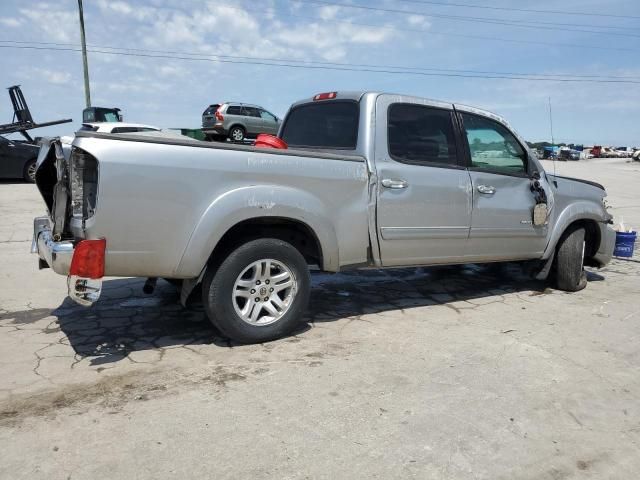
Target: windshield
[(212, 109), (330, 125)]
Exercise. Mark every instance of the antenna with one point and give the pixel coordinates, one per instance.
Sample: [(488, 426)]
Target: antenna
[(552, 140)]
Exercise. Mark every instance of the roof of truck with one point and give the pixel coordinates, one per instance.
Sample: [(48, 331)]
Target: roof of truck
[(358, 94)]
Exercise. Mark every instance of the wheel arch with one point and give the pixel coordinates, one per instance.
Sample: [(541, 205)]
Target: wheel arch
[(254, 211), (583, 214)]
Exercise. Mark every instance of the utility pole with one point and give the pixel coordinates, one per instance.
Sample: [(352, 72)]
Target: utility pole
[(87, 91), (551, 122)]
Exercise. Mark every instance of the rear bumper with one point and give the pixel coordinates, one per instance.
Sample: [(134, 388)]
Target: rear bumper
[(56, 255), (607, 244), (217, 129)]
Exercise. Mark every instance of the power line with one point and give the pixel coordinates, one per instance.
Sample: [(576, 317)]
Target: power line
[(335, 68), (434, 32), (319, 62), (523, 10), (452, 34), (511, 23)]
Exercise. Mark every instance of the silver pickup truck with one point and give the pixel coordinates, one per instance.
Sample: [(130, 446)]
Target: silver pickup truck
[(368, 180)]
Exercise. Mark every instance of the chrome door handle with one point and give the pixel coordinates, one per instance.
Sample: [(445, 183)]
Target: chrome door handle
[(395, 184), (486, 189)]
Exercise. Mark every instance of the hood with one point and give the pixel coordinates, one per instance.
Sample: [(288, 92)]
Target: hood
[(560, 179)]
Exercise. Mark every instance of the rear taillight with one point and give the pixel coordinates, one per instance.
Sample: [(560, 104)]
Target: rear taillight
[(219, 116), (88, 259), (325, 96)]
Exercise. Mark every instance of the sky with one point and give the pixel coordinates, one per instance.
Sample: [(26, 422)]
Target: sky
[(226, 52)]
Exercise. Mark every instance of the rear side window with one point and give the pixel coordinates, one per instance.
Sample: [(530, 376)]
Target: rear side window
[(421, 135), (330, 125), (234, 110), (88, 128)]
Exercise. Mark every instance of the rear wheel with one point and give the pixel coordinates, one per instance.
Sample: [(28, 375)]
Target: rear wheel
[(237, 133), (29, 173), (259, 292), (570, 274)]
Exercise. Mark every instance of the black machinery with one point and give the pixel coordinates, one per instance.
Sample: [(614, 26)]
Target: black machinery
[(22, 119)]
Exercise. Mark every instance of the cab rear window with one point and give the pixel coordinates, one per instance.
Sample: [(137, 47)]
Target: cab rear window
[(329, 125)]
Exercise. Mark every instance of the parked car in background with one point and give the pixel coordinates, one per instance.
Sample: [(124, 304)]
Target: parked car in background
[(369, 180), (237, 121), (117, 127), (18, 159), (101, 114)]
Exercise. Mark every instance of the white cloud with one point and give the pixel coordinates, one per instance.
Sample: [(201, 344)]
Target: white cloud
[(55, 77), (418, 21), (329, 12), (58, 25), (10, 22)]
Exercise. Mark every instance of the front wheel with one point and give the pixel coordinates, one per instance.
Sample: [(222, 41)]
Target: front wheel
[(259, 292), (570, 274)]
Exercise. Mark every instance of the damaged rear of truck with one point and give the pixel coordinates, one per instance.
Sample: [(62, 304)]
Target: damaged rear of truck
[(169, 208)]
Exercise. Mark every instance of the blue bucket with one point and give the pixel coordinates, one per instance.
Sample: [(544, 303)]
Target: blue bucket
[(624, 244)]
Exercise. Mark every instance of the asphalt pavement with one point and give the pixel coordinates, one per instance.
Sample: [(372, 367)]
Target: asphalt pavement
[(473, 372)]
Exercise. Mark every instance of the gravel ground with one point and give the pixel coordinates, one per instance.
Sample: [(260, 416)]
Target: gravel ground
[(472, 372)]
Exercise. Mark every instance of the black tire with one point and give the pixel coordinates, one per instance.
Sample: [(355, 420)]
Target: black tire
[(29, 171), (215, 137), (570, 274), (218, 288), (237, 133)]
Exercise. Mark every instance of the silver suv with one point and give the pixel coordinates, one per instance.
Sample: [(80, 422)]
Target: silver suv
[(237, 121)]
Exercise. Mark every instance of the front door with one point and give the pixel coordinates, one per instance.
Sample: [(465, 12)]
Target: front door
[(423, 190), (269, 123), (503, 202)]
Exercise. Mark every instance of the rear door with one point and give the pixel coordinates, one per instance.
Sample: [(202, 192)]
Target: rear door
[(252, 119), (233, 116), (424, 189), (501, 220)]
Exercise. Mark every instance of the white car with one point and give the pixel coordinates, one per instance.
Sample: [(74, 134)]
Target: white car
[(636, 156), (117, 127)]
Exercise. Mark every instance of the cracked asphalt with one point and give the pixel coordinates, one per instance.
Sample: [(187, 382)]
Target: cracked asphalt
[(473, 372)]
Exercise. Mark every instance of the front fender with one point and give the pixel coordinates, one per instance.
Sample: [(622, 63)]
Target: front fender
[(255, 201), (580, 210)]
